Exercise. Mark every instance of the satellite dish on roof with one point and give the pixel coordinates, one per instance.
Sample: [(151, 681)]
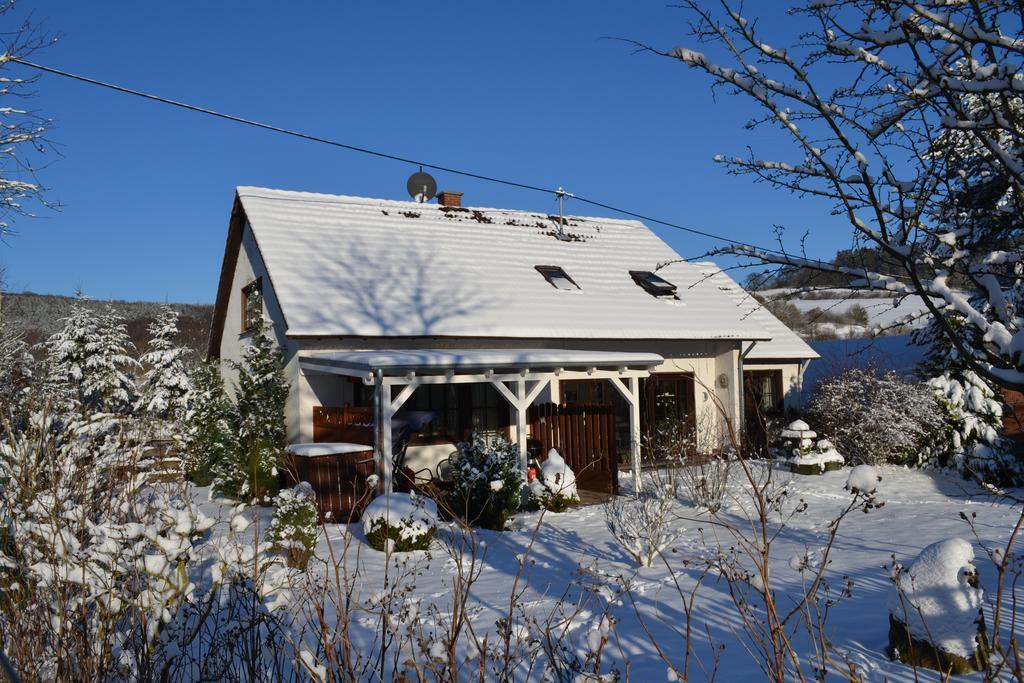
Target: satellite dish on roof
[(421, 186)]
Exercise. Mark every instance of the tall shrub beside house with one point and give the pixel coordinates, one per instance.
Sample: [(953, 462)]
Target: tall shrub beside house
[(261, 395), (211, 452)]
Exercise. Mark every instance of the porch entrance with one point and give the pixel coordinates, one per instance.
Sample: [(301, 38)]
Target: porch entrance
[(516, 376)]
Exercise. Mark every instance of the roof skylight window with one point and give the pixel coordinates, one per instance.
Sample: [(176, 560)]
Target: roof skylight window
[(557, 278), (654, 285)]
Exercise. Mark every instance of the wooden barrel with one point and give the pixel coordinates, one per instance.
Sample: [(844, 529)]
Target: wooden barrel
[(337, 473)]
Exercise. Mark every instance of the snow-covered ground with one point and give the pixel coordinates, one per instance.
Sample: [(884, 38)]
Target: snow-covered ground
[(562, 552), (881, 312)]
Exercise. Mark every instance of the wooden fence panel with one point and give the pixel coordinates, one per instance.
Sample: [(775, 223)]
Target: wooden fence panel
[(585, 436), (339, 481)]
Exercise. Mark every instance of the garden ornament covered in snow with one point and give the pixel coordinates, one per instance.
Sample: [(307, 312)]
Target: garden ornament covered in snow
[(804, 455)]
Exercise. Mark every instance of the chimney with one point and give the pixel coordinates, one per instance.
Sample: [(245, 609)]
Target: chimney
[(453, 199)]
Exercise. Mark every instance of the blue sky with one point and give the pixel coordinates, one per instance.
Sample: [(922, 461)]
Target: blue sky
[(531, 91)]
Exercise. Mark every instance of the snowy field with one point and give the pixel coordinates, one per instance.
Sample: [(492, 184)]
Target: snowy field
[(558, 559)]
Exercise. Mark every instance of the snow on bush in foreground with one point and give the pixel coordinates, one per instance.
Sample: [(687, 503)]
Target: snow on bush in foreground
[(293, 528), (403, 521)]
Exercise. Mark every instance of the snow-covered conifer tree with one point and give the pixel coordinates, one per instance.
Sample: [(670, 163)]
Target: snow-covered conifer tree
[(17, 369), (67, 351), (165, 385), (972, 442), (261, 393), (211, 453), (108, 383)]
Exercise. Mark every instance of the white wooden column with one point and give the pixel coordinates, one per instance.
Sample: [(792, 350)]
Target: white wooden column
[(386, 412), (520, 402), (632, 396)]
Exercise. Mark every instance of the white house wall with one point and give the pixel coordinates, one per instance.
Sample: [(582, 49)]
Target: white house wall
[(248, 267)]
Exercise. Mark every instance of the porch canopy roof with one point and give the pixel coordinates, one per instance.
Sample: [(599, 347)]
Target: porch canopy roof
[(445, 361)]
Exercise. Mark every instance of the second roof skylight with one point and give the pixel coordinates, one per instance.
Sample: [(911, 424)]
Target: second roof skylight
[(656, 286), (557, 277)]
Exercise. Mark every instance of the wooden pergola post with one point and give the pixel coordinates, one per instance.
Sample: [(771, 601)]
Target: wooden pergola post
[(386, 407), (631, 394)]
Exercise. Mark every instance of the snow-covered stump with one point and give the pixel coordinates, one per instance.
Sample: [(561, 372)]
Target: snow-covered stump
[(935, 617), (806, 457)]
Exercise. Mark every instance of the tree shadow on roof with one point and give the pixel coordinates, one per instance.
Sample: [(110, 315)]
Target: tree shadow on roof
[(374, 290)]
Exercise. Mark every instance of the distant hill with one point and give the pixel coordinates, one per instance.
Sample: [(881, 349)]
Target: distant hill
[(38, 316)]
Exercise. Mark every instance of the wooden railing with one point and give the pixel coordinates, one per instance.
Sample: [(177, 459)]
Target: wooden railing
[(347, 424)]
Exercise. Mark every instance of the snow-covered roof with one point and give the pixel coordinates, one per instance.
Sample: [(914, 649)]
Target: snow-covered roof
[(438, 360), (784, 343), (351, 266)]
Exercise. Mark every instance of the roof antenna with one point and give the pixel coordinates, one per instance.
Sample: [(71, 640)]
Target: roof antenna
[(562, 194)]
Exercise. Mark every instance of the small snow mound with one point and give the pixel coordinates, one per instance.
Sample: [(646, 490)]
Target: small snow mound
[(414, 515), (798, 426), (825, 445), (863, 479), (935, 597), (557, 476)]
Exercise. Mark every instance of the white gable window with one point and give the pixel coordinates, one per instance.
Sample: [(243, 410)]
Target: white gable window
[(654, 285), (557, 278)]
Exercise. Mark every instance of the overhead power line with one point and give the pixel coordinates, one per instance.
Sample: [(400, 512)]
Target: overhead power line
[(559, 192)]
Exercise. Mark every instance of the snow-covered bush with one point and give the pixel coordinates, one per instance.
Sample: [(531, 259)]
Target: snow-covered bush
[(293, 527), (875, 418), (935, 617), (555, 486), (644, 525), (486, 482), (165, 385), (239, 621), (400, 522), (211, 453), (92, 563), (262, 392), (972, 443)]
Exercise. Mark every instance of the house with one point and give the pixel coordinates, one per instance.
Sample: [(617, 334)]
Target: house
[(577, 333)]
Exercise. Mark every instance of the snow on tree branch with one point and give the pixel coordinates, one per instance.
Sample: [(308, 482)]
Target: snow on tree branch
[(908, 118)]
